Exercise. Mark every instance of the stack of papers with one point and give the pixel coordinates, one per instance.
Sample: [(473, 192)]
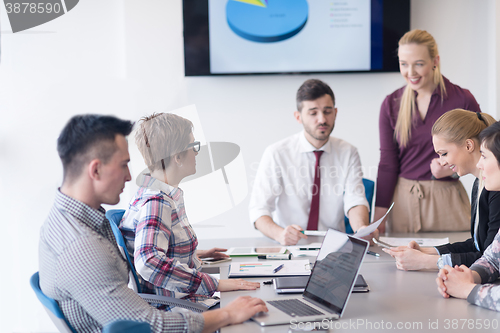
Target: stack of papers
[(394, 241), (265, 268)]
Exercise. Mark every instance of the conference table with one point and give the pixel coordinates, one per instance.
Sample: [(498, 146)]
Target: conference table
[(397, 301)]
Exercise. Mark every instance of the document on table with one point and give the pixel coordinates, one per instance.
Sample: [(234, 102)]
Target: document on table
[(309, 250), (265, 268), (321, 233), (395, 241), (372, 226), (255, 251)]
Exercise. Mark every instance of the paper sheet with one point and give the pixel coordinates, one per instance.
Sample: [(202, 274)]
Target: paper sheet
[(297, 252), (255, 251), (394, 241), (266, 267), (372, 226)]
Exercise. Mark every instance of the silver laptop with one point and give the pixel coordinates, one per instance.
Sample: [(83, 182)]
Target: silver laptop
[(330, 284)]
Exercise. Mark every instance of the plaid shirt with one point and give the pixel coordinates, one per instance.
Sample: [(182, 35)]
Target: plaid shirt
[(83, 270), (163, 243)]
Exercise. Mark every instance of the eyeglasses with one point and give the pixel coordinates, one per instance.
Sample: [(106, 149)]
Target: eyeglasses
[(195, 145)]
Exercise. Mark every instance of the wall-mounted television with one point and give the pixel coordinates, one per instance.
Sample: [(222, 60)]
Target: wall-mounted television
[(235, 37)]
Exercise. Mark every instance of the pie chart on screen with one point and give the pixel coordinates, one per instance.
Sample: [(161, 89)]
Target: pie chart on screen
[(267, 21)]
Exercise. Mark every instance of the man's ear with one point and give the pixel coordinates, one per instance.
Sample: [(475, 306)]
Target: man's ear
[(298, 116), (94, 168)]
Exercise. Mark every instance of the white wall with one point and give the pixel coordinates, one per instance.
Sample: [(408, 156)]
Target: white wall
[(125, 57)]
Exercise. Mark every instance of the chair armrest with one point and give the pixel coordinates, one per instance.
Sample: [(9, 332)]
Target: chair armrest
[(172, 301)]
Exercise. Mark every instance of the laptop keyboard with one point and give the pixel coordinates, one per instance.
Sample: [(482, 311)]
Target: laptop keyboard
[(294, 307)]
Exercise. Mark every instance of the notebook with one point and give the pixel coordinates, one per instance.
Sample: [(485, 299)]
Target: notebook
[(297, 284), (329, 287), (267, 268), (254, 251)]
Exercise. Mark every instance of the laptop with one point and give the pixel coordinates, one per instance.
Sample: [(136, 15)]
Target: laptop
[(330, 284), (297, 284)]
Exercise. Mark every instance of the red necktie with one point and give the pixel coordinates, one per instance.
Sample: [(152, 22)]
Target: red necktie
[(312, 224)]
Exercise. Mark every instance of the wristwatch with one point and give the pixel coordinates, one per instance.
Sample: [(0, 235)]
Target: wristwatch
[(440, 263)]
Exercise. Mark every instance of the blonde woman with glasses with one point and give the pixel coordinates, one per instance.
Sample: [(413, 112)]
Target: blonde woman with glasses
[(159, 237)]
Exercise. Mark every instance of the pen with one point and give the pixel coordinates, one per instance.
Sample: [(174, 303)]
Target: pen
[(308, 248), (276, 270), (373, 253), (286, 256)]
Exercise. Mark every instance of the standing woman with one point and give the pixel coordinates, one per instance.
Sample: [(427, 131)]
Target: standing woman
[(409, 172)]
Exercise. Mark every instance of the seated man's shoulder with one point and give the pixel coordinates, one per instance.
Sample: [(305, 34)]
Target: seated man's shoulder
[(63, 234), (283, 146), (342, 145), (62, 231), (69, 250)]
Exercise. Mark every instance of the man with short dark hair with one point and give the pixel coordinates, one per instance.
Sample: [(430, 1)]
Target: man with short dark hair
[(311, 179), (81, 266)]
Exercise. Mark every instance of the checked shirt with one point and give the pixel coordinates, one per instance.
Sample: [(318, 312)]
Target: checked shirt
[(163, 243), (83, 270)]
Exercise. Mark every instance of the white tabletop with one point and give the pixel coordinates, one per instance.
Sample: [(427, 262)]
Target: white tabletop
[(397, 301)]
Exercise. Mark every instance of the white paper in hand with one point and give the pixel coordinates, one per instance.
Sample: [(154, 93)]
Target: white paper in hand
[(372, 226)]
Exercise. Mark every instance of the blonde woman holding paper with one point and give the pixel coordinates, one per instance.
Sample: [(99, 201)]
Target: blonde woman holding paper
[(475, 284), (455, 139)]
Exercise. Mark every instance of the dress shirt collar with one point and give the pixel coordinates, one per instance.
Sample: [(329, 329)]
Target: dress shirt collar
[(306, 147), (147, 181), (94, 218)]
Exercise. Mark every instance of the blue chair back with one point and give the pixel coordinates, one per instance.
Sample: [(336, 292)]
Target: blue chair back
[(114, 216), (51, 306), (369, 190), (127, 326)]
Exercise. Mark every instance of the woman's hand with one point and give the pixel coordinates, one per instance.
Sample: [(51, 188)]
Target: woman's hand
[(215, 253), (426, 250), (237, 284), (441, 277), (440, 171), (410, 259), (458, 281)]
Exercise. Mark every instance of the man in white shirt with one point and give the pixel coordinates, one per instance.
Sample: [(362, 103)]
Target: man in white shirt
[(282, 195)]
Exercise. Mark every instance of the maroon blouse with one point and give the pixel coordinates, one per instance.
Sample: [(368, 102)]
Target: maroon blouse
[(413, 161)]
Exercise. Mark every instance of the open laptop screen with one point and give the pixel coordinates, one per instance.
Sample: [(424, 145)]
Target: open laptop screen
[(335, 270)]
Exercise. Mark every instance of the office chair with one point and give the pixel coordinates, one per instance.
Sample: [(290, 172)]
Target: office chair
[(114, 216), (51, 306), (122, 326), (57, 317), (369, 189)]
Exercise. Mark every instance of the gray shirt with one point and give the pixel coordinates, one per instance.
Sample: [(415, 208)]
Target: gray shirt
[(83, 270)]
